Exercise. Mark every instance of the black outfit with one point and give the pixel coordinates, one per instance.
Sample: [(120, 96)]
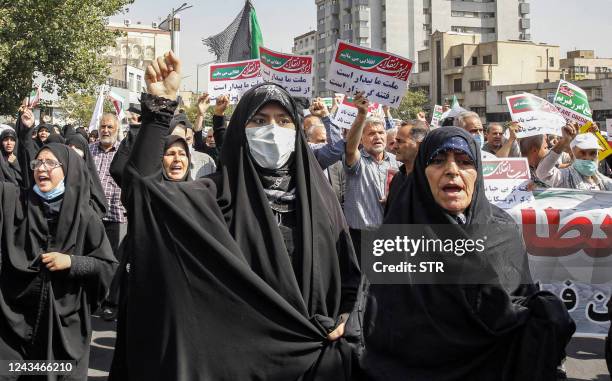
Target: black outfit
[(14, 167), (122, 155), (98, 199), (502, 330), (46, 315), (337, 179), (227, 302), (394, 187)]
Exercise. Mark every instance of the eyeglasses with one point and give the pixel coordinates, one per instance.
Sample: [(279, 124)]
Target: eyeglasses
[(48, 163)]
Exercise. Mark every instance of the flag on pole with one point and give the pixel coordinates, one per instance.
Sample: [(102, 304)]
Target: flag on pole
[(118, 102), (34, 97), (240, 41), (98, 111), (455, 102)]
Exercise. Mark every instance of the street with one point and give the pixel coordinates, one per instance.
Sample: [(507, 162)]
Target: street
[(585, 356)]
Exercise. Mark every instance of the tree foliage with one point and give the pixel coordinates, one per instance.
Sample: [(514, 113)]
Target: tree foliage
[(80, 107), (412, 103), (63, 41)]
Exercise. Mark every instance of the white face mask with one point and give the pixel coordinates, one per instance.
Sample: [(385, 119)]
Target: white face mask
[(271, 145), (479, 139)]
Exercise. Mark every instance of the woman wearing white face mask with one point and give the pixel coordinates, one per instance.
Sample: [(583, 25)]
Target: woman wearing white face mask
[(582, 173), (252, 267)]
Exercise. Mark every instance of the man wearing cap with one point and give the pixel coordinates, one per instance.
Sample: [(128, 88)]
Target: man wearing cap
[(582, 174)]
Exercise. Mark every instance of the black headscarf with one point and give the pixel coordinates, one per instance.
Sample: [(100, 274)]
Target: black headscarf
[(232, 305), (12, 170), (55, 303), (98, 199), (55, 138), (41, 126), (463, 331), (170, 140)]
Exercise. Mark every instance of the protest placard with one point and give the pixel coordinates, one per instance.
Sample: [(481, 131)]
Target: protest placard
[(573, 104), (535, 115), (294, 73), (569, 247), (436, 116), (347, 112), (506, 181), (381, 75), (233, 78)]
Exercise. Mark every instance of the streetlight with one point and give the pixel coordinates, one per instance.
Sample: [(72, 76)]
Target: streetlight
[(172, 23)]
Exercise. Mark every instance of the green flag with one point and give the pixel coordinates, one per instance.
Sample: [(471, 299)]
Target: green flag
[(455, 102), (256, 38), (240, 40)]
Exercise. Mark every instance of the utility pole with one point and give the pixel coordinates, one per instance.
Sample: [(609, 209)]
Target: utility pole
[(172, 23)]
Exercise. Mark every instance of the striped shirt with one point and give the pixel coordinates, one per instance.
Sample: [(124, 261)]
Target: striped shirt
[(112, 192), (366, 183)]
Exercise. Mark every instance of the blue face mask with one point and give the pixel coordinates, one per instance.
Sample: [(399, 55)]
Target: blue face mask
[(478, 138), (585, 167), (53, 193)]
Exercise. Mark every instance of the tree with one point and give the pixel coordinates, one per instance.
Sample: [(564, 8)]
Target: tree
[(80, 107), (412, 103), (62, 41)]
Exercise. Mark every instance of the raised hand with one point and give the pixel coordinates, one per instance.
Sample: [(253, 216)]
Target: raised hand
[(221, 105), (203, 103), (163, 76), (318, 108), (361, 102), (27, 118)]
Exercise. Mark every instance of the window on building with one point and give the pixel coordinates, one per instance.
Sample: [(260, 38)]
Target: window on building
[(539, 61), (551, 61), (456, 14), (424, 67), (457, 62), (481, 111), (487, 60), (478, 85), (457, 85), (363, 24), (597, 93), (138, 83), (474, 60), (131, 82)]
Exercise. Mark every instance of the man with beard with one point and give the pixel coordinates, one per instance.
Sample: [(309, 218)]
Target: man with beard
[(103, 153), (367, 170)]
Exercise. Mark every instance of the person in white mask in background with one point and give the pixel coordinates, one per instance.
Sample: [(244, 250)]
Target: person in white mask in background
[(582, 173), (470, 121)]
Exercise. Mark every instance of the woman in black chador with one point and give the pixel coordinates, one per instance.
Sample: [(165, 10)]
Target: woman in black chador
[(247, 275), (56, 263), (500, 329)]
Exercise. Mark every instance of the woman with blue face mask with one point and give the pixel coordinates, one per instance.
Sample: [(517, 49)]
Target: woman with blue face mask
[(57, 263), (583, 173), (247, 274)]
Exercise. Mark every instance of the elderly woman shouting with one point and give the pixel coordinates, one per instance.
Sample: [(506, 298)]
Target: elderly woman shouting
[(500, 329)]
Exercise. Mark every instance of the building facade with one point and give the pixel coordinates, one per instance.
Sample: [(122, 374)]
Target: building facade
[(135, 49), (583, 64), (599, 92), (403, 27), (306, 45), (461, 65)]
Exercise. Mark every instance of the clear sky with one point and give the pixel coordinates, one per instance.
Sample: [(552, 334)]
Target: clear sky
[(571, 24)]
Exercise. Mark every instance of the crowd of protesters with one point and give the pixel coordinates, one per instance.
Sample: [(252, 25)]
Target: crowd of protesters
[(233, 252)]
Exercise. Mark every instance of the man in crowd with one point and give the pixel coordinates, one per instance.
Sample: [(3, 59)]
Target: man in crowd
[(534, 149), (407, 142), (583, 173), (498, 145), (391, 134), (470, 121), (367, 170), (103, 153)]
